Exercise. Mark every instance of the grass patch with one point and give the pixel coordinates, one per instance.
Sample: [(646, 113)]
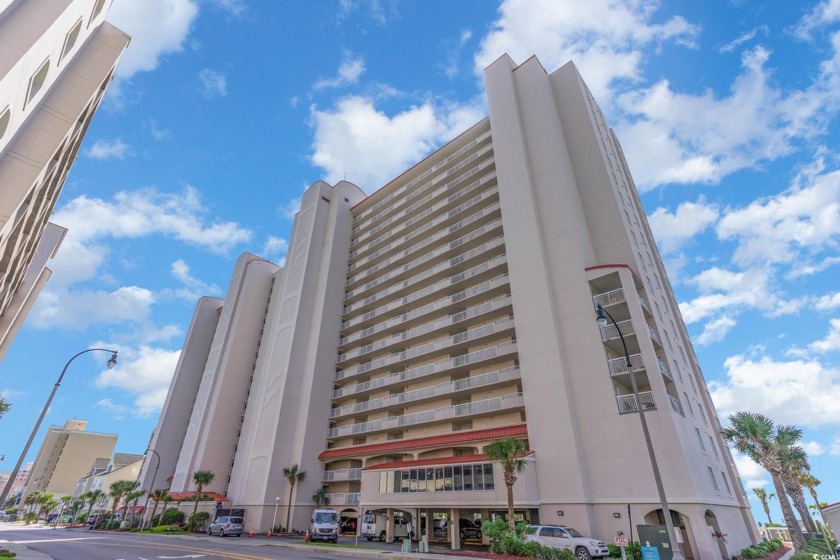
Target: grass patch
[(341, 545)]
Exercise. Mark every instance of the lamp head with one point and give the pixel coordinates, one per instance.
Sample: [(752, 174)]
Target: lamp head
[(602, 319), (113, 361)]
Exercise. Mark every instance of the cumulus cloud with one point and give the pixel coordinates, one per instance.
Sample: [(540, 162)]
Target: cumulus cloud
[(213, 83), (349, 71), (828, 302), (192, 288), (454, 59), (275, 249), (373, 147), (79, 309), (157, 28), (831, 343), (156, 131), (824, 13), (145, 374), (673, 229), (752, 474), (801, 392), (716, 330), (108, 149), (381, 12), (233, 7)]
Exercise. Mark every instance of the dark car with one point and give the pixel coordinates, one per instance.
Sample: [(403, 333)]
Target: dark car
[(468, 530), (837, 551), (226, 525)]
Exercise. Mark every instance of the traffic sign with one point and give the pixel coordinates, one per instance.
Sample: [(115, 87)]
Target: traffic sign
[(622, 541)]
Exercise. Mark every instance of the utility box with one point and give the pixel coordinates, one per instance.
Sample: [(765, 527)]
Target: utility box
[(656, 536)]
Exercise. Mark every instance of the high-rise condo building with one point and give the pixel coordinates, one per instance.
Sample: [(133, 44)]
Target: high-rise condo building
[(56, 59), (455, 306)]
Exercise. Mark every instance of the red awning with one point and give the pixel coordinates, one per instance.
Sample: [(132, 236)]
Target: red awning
[(190, 496)]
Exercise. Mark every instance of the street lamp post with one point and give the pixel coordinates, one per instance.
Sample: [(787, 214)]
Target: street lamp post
[(666, 512), (151, 488), (111, 363), (274, 521)]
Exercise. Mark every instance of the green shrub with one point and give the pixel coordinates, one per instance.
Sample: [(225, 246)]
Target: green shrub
[(198, 521), (169, 529), (171, 516), (502, 541)]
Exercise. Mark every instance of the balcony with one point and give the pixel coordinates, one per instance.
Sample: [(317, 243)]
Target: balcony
[(663, 369), (344, 498), (676, 406), (506, 402), (627, 403), (340, 475), (435, 391), (610, 298), (610, 332), (430, 348), (473, 359), (618, 366)]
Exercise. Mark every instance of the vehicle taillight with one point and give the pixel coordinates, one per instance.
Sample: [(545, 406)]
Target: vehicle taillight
[(227, 525)]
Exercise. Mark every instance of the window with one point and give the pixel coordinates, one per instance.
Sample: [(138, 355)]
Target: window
[(688, 402), (37, 80), (700, 440), (714, 448), (702, 413), (725, 483), (96, 9), (462, 478), (5, 117), (714, 480), (693, 383), (678, 370), (70, 40)]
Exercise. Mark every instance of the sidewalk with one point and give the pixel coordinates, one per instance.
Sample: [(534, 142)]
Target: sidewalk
[(24, 553)]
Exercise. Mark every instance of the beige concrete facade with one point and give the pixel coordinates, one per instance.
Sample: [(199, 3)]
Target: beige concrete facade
[(56, 60), (65, 456), (455, 306)]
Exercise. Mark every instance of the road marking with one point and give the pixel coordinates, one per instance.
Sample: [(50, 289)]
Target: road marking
[(220, 553), (55, 540), (187, 556)]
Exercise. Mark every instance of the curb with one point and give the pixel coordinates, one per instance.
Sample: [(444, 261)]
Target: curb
[(24, 553)]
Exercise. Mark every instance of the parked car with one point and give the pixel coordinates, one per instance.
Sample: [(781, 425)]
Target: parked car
[(94, 519), (324, 525), (468, 530), (226, 525), (559, 536), (374, 525), (837, 551), (348, 525)]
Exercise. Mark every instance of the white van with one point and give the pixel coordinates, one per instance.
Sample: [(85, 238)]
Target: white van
[(324, 525), (374, 526)]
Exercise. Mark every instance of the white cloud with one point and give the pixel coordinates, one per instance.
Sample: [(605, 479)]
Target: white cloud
[(79, 309), (813, 448), (372, 147), (234, 7), (379, 11), (834, 446), (157, 28), (743, 38), (605, 39), (752, 474), (108, 149), (117, 411), (145, 373), (213, 83), (289, 209), (193, 288), (156, 131), (672, 230), (828, 302), (275, 249), (824, 13), (831, 343), (454, 58), (348, 73), (715, 330), (801, 392)]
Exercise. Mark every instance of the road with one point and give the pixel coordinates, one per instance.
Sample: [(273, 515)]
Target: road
[(63, 544)]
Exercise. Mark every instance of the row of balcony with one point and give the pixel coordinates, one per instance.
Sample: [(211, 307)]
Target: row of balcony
[(506, 402), (440, 220), (408, 267), (407, 187), (406, 213), (431, 224), (496, 261), (442, 303), (340, 475), (618, 366), (472, 335), (443, 322), (472, 359), (344, 498), (434, 391), (611, 332)]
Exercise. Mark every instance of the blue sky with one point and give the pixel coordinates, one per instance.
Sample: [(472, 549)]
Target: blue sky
[(223, 111)]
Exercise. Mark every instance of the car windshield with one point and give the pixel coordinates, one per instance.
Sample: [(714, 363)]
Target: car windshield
[(369, 519), (236, 520), (574, 533), (324, 517)]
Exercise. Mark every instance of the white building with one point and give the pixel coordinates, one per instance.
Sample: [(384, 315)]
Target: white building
[(57, 58), (453, 307)]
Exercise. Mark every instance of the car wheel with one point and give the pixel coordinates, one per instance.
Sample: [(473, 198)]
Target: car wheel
[(335, 541), (478, 535), (382, 536), (238, 534), (209, 531), (582, 554), (222, 533), (462, 535)]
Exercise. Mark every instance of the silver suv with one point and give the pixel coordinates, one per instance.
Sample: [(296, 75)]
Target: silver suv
[(558, 536), (226, 525)]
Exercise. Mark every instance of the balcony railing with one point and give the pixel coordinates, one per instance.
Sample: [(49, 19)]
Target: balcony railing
[(663, 369), (342, 474), (610, 331), (429, 369), (434, 391), (619, 365), (676, 406), (627, 403), (343, 498), (610, 298), (505, 402), (654, 335)]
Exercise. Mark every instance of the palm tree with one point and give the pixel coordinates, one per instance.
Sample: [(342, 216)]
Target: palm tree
[(294, 475), (321, 498), (811, 482), (764, 498), (794, 463), (159, 496), (120, 489), (131, 498), (201, 479), (508, 453), (31, 499), (4, 406), (756, 436), (65, 504), (91, 498), (45, 499)]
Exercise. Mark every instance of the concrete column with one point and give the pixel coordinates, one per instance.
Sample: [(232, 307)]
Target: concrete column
[(389, 525), (485, 516), (454, 537)]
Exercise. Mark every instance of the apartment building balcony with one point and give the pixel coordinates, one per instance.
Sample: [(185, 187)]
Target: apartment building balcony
[(341, 475), (474, 336), (472, 238), (675, 405), (510, 401), (410, 190), (457, 364), (488, 268), (488, 379), (498, 284), (627, 403), (343, 498), (613, 297), (427, 330)]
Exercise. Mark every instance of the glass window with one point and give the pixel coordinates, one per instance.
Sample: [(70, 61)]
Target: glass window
[(489, 483), (725, 483), (702, 413), (70, 40), (394, 481), (439, 480), (430, 480), (447, 478), (37, 80), (468, 481), (714, 448), (478, 478), (5, 117), (714, 480), (412, 486), (688, 402), (458, 479), (700, 440), (97, 8), (405, 481)]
